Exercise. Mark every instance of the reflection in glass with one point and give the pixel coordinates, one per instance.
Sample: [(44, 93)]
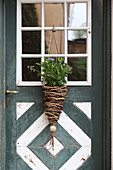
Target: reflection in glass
[(54, 15), (27, 74), (76, 15), (31, 42), (54, 42), (55, 59), (78, 69), (77, 41), (31, 15)]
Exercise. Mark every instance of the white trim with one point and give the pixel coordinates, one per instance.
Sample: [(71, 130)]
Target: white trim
[(36, 128), (22, 107), (31, 55), (89, 65), (78, 83), (74, 165), (84, 152), (50, 28), (19, 81), (51, 1), (85, 107), (28, 83), (57, 147), (31, 159), (19, 48), (52, 55), (38, 83), (74, 130)]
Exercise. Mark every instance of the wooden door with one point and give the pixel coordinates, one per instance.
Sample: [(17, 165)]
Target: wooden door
[(79, 136)]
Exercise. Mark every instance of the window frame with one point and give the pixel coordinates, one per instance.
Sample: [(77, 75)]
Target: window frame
[(19, 55)]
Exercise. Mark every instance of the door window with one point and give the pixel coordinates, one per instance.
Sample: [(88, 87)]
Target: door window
[(71, 39)]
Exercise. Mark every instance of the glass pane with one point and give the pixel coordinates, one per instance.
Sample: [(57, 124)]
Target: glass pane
[(54, 42), (31, 42), (77, 41), (55, 59), (76, 13), (31, 15), (78, 69), (54, 15), (27, 74)]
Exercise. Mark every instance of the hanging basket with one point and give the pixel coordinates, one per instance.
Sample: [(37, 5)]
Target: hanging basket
[(54, 97)]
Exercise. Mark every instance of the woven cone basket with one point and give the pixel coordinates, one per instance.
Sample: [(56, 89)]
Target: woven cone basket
[(54, 97)]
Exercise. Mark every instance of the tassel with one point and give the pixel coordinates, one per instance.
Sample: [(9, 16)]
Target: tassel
[(52, 140)]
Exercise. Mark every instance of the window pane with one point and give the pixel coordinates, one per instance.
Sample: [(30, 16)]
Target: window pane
[(76, 15), (27, 74), (31, 42), (54, 42), (77, 41), (55, 59), (31, 15), (54, 15), (78, 69)]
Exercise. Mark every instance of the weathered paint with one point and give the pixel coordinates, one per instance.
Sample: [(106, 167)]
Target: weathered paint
[(2, 86), (78, 94), (22, 107), (31, 159), (35, 129), (85, 107), (29, 135)]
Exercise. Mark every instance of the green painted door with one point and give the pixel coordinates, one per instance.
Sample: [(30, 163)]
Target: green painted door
[(79, 135)]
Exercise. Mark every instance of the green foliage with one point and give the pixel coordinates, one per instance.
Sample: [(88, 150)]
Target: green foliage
[(54, 71), (80, 34)]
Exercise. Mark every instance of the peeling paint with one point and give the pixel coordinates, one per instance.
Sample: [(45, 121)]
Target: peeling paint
[(4, 105), (83, 159), (25, 157), (74, 146), (31, 161)]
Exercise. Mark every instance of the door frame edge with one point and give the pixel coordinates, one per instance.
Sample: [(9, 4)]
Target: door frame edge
[(2, 84), (106, 89)]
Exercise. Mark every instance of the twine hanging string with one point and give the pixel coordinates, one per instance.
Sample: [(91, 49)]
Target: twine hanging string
[(53, 37)]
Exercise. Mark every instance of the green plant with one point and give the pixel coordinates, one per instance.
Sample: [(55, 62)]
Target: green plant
[(54, 71)]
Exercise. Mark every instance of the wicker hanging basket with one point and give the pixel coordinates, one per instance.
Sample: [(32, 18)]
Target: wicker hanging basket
[(54, 97)]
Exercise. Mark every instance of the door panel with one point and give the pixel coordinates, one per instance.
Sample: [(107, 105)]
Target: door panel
[(79, 131)]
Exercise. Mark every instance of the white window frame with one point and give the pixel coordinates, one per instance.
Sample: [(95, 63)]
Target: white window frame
[(19, 81)]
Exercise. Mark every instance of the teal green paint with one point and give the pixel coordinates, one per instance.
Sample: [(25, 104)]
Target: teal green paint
[(80, 94), (97, 51), (29, 117), (10, 39), (30, 94), (101, 75), (37, 146), (2, 85), (78, 117), (21, 165)]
